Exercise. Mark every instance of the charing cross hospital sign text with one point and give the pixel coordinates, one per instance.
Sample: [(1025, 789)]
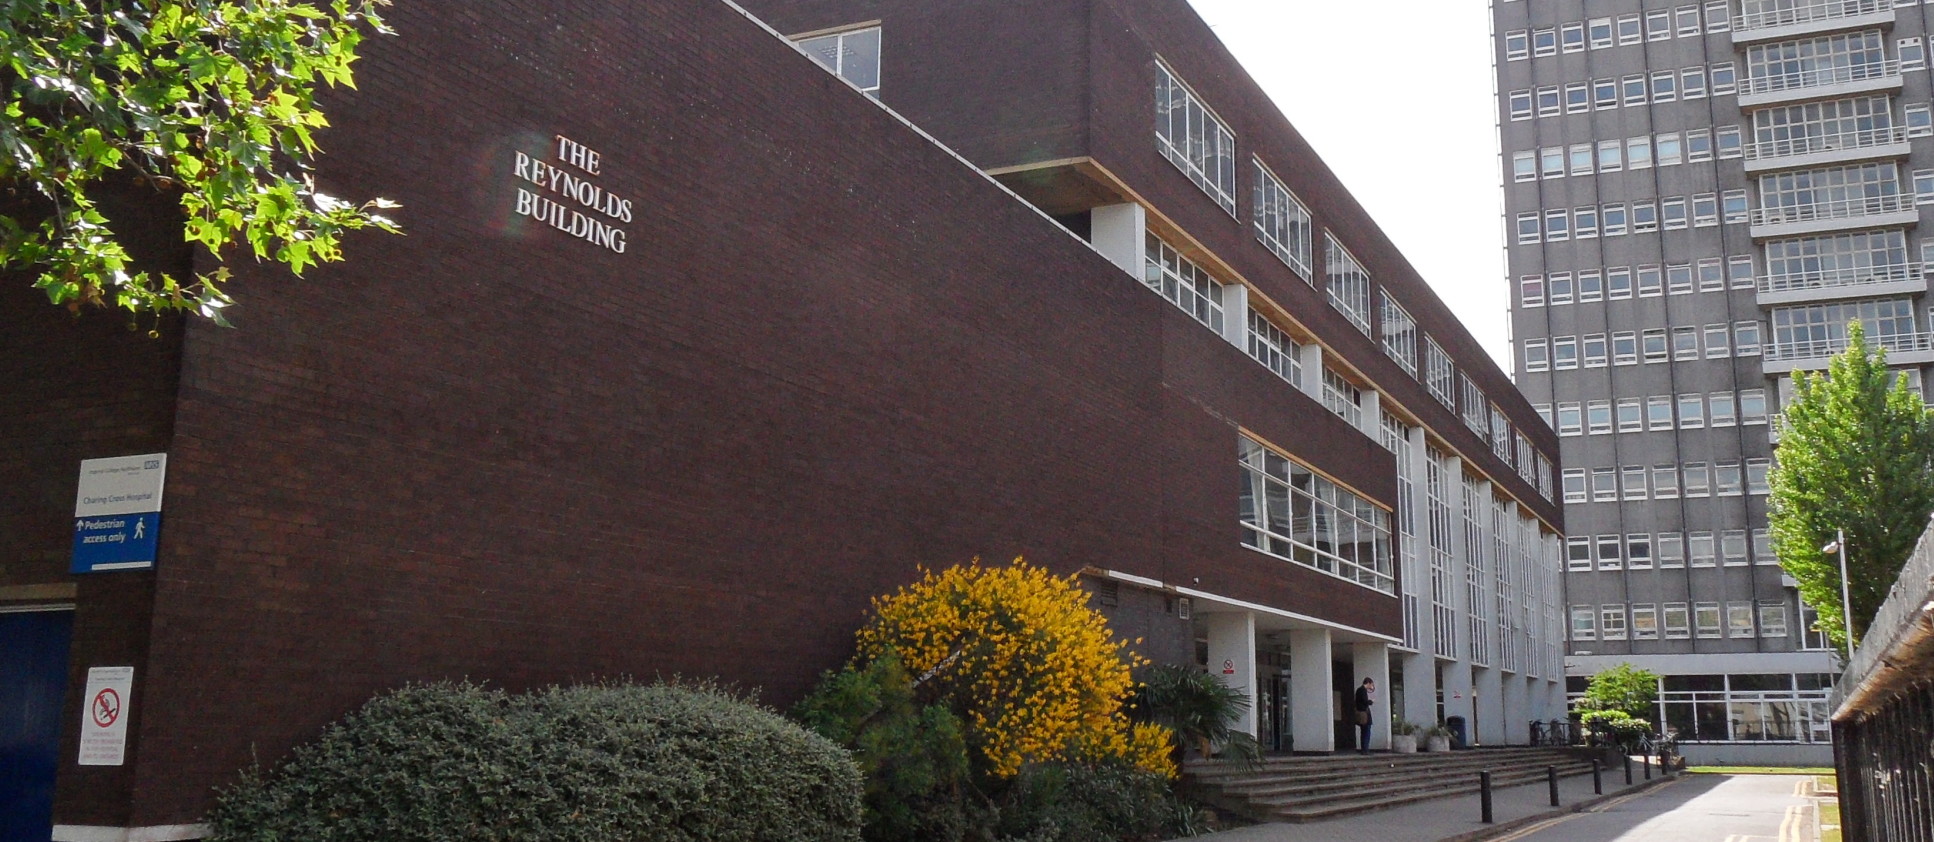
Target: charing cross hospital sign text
[(568, 200)]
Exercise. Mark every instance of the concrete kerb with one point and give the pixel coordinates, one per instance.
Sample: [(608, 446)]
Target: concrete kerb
[(1592, 805)]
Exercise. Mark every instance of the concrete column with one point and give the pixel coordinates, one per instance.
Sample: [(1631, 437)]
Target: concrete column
[(1490, 705), (1119, 232), (1232, 657), (1311, 358), (1372, 661), (1457, 692), (1517, 710), (1419, 687), (1235, 314), (1372, 405), (1311, 706)]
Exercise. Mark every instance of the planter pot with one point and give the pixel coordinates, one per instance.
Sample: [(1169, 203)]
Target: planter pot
[(1404, 743), (1437, 744)]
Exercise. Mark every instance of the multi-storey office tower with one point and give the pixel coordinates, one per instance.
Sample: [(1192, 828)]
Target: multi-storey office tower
[(1699, 198)]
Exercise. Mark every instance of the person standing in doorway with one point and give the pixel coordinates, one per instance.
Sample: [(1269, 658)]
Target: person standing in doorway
[(1365, 698)]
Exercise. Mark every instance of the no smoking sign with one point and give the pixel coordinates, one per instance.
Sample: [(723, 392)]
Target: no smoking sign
[(106, 708), (104, 724)]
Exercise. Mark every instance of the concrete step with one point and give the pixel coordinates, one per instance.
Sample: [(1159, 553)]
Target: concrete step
[(1263, 787), (1338, 807), (1310, 788)]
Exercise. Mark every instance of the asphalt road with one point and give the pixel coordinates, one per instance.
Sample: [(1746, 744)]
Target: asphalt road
[(1697, 808)]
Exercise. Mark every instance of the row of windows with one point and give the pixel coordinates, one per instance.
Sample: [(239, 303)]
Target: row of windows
[(1625, 30), (1688, 411), (1652, 345), (1194, 291), (1195, 140), (1631, 91), (1291, 513), (1637, 153), (1677, 621), (1730, 478), (1617, 283), (1668, 550), (1616, 219)]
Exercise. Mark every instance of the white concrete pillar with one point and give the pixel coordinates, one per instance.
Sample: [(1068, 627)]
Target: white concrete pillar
[(1490, 705), (1372, 661), (1312, 710), (1232, 657), (1457, 692), (1235, 315), (1120, 233), (1419, 688), (1517, 710), (1310, 357), (1372, 405)]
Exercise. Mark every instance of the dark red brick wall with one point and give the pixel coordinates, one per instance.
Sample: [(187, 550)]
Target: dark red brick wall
[(77, 387), (1020, 98), (1123, 41), (831, 353)]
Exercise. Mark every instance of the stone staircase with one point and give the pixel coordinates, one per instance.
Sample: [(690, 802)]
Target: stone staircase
[(1314, 788)]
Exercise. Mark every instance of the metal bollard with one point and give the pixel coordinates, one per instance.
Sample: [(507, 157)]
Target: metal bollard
[(1551, 780), (1484, 795), (1648, 767), (1628, 770), (1598, 784)]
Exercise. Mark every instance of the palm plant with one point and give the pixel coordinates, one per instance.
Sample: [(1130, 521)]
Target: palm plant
[(1197, 706)]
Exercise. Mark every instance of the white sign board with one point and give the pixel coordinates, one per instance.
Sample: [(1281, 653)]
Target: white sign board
[(117, 513), (104, 716), (121, 485)]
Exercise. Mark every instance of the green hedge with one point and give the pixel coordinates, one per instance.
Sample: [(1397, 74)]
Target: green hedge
[(615, 762)]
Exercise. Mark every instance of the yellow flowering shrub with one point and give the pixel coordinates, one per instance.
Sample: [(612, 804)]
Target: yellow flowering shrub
[(1025, 663)]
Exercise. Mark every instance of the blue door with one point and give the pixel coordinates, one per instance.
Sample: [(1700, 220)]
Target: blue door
[(33, 681)]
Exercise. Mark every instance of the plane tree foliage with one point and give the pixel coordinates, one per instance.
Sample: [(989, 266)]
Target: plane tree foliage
[(208, 107)]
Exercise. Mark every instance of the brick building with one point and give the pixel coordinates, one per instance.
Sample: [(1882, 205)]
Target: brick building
[(682, 408)]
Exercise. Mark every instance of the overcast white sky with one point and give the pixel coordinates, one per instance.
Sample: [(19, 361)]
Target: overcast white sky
[(1397, 98)]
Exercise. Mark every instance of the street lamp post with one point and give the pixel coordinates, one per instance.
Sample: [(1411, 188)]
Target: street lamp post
[(1839, 548)]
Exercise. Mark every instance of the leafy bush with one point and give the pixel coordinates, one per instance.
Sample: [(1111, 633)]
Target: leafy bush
[(1623, 688), (1102, 802), (913, 758), (1615, 727), (446, 761), (988, 703), (1022, 661)]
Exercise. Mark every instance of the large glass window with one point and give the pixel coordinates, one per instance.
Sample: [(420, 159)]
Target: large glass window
[(853, 55), (1856, 257), (1819, 126), (1282, 222), (1821, 329), (1274, 349), (1399, 333), (1440, 373), (1183, 283), (1349, 283), (1832, 193), (1826, 60), (1290, 512), (1194, 139)]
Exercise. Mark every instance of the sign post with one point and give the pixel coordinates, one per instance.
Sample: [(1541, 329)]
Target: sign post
[(117, 513)]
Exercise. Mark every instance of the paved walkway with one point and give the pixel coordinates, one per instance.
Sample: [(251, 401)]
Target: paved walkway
[(1431, 821), (1703, 808), (1693, 808)]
